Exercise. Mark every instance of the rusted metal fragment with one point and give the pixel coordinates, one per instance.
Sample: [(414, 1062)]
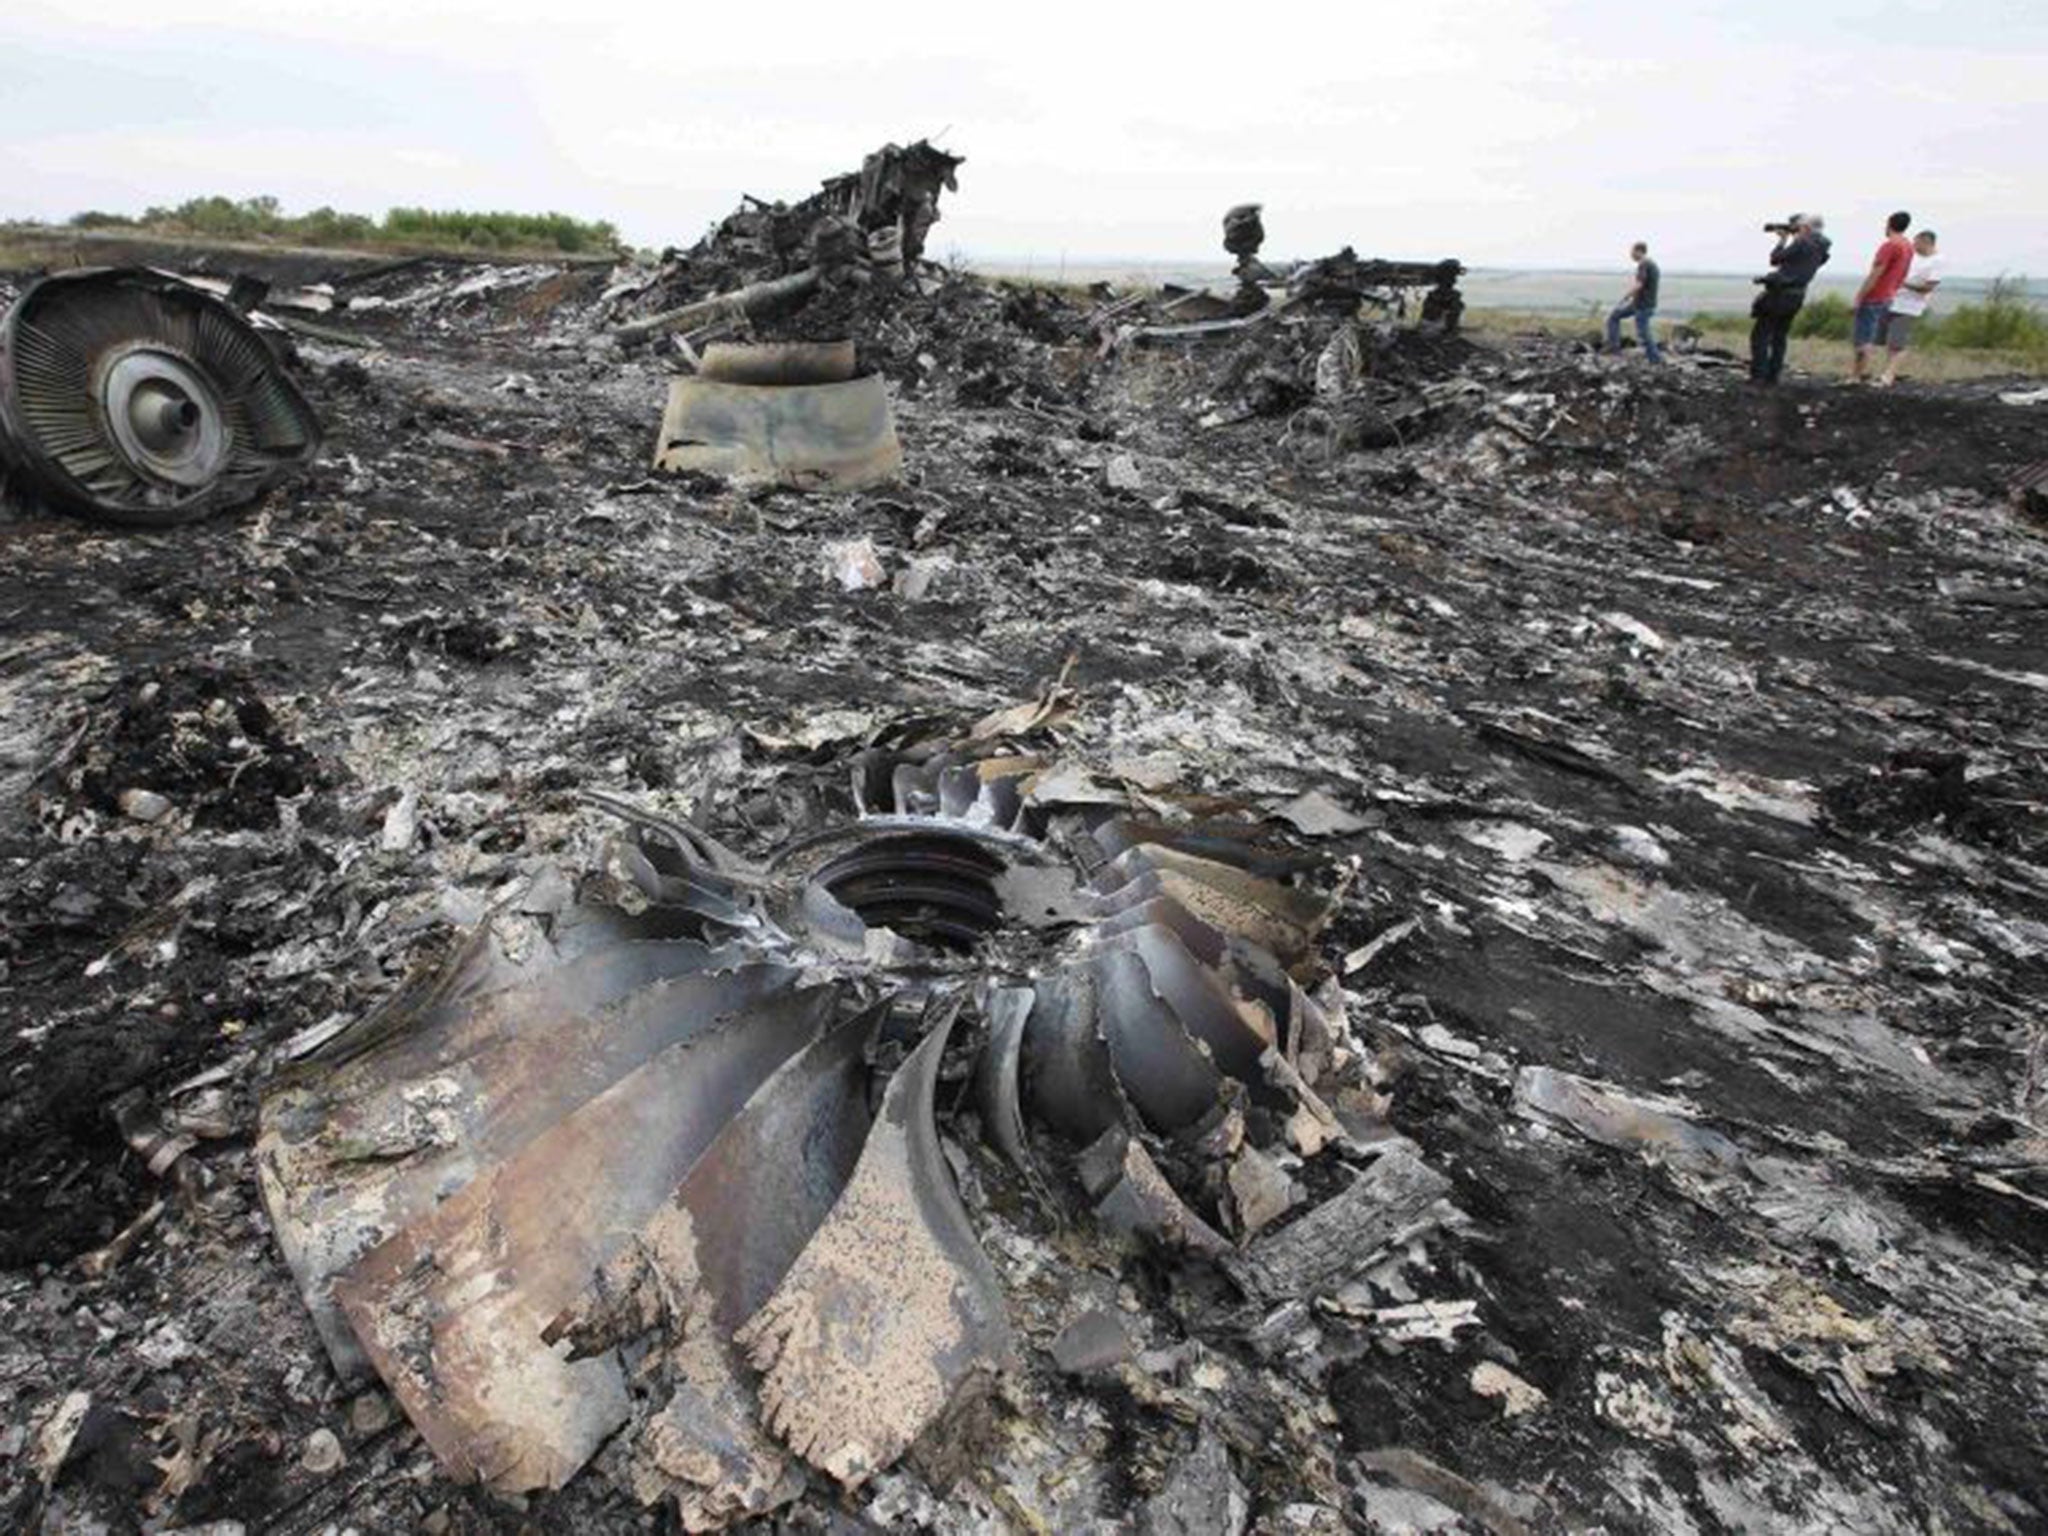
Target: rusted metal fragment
[(707, 1261), (1395, 1200), (1280, 1037), (1309, 1036), (892, 1318), (748, 1205), (784, 362), (704, 1447), (1260, 992), (1132, 1196), (346, 1158), (1257, 1192), (451, 1310), (841, 435), (1235, 843), (1313, 1125), (1277, 918)]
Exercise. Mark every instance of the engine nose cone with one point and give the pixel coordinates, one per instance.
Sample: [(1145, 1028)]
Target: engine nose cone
[(165, 419)]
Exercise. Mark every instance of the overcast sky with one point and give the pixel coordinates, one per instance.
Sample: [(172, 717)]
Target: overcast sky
[(1507, 134)]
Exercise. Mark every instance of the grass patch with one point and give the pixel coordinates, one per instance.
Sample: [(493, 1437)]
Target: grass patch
[(2003, 322), (263, 220), (2004, 325), (1821, 355)]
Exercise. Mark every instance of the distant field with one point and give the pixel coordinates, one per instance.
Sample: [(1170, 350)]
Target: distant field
[(1526, 292), (1816, 355), (1684, 293)]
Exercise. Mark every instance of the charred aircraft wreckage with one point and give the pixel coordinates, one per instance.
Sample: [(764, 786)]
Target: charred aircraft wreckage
[(138, 398), (658, 1186), (132, 397), (672, 1176)]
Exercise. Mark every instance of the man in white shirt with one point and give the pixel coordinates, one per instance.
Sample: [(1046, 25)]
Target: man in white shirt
[(1910, 303)]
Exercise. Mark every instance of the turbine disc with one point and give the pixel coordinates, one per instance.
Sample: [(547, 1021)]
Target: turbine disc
[(130, 397)]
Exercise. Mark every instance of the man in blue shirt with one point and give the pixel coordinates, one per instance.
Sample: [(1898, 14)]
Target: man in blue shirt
[(1640, 301)]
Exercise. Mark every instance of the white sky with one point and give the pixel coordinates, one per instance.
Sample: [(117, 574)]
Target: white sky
[(1507, 134)]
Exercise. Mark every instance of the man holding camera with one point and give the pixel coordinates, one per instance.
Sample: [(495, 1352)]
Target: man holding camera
[(1641, 302), (1802, 250), (1881, 285)]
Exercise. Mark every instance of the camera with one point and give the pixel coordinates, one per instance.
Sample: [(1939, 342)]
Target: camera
[(1785, 228)]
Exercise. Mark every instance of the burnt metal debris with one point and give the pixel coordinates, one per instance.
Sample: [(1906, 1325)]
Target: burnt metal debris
[(804, 409), (653, 1147), (1502, 990), (766, 262), (1342, 282), (792, 413), (132, 397)]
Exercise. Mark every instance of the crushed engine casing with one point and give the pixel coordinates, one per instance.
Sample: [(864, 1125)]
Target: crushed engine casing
[(672, 1173), (133, 398)]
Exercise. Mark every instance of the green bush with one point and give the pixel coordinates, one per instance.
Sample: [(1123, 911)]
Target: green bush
[(220, 218), (324, 226), (2004, 322), (262, 218), (498, 231), (1829, 317)]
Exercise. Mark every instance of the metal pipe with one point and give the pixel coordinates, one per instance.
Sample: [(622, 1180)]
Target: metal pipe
[(748, 301)]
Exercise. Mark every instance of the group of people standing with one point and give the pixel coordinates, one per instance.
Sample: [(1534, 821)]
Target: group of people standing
[(1890, 304)]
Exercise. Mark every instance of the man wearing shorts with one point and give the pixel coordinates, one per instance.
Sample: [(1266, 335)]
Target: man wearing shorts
[(1909, 304), (1874, 299)]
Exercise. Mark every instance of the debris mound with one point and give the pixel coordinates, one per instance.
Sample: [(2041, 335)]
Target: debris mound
[(198, 739), (798, 272), (1915, 788)]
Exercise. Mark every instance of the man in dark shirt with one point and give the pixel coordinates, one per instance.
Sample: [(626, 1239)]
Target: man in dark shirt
[(1640, 301), (1802, 250)]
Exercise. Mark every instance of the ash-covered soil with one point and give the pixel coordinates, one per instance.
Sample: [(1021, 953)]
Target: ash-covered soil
[(1692, 743)]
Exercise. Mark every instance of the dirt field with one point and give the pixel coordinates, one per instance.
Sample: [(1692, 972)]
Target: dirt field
[(1692, 739)]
